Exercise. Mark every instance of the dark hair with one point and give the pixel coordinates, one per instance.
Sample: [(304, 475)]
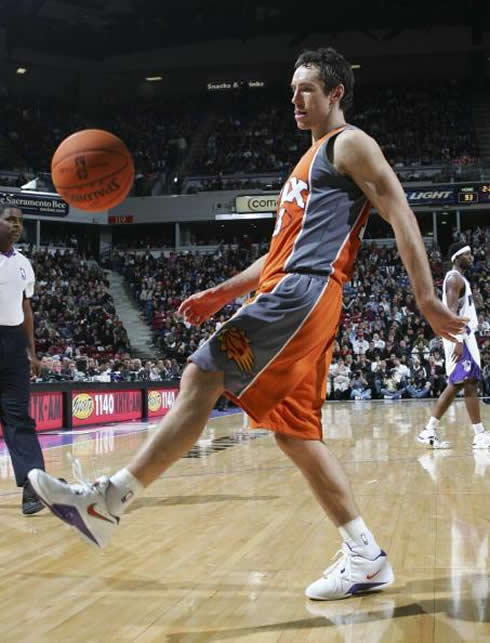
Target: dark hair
[(333, 70), (454, 247)]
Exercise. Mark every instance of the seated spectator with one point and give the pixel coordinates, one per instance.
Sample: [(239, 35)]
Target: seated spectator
[(341, 380), (391, 389), (418, 386), (401, 372), (360, 389)]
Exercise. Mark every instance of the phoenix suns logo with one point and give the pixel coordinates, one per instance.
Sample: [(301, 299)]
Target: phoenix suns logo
[(235, 343)]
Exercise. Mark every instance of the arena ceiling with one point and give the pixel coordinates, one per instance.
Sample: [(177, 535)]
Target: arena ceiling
[(100, 29)]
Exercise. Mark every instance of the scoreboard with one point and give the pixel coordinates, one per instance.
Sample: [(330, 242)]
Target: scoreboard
[(476, 193), (449, 194)]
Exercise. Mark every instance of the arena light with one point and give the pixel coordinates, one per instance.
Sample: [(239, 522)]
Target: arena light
[(153, 79), (21, 70), (355, 66)]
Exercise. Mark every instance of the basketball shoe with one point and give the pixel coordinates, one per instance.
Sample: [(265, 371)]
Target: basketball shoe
[(351, 574), (432, 439), (481, 440), (81, 505)]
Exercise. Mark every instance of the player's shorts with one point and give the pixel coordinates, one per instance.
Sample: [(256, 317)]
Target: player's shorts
[(468, 366), (275, 353), (465, 369)]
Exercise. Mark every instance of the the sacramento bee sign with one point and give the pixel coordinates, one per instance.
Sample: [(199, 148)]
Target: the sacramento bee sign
[(35, 204)]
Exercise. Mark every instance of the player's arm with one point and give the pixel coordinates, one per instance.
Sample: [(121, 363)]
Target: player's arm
[(454, 286), (199, 307), (360, 157)]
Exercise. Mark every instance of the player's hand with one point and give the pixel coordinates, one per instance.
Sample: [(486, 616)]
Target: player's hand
[(442, 320), (201, 306), (457, 351), (35, 366)]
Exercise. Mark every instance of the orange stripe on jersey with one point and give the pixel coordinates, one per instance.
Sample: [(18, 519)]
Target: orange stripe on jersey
[(291, 210), (344, 262), (295, 361)]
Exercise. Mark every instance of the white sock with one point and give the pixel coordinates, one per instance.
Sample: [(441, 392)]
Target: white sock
[(356, 533), (433, 423), (477, 428), (122, 491)]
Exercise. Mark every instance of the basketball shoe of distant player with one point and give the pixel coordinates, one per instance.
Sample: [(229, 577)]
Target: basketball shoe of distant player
[(432, 439)]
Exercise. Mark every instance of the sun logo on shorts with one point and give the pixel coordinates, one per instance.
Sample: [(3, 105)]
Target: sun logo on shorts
[(235, 343)]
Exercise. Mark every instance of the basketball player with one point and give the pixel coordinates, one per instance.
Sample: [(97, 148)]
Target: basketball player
[(272, 356), (463, 366), (16, 351)]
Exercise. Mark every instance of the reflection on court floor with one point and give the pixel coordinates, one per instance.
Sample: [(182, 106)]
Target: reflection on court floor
[(221, 547)]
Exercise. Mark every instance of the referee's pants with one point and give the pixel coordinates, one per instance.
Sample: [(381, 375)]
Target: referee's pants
[(18, 426)]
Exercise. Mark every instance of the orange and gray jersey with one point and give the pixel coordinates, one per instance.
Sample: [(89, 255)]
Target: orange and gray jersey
[(275, 351), (321, 217)]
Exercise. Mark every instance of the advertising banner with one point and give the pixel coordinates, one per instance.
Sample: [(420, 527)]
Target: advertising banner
[(37, 204), (99, 407), (47, 411), (425, 195), (160, 401)]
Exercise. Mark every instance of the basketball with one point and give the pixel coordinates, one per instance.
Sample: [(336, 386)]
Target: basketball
[(92, 170)]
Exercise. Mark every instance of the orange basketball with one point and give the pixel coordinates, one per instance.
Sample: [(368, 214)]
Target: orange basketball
[(92, 170)]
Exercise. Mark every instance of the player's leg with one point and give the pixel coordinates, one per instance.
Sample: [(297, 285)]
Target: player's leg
[(181, 427), (298, 426), (94, 509), (445, 400), (317, 463), (363, 565), (430, 433), (324, 474), (481, 437), (18, 427)]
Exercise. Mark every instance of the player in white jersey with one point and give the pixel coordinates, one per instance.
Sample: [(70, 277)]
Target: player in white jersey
[(463, 366)]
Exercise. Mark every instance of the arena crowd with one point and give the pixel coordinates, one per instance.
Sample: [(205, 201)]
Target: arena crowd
[(384, 348), (246, 133)]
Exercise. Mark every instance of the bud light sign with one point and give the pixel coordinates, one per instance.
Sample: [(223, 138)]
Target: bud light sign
[(432, 195)]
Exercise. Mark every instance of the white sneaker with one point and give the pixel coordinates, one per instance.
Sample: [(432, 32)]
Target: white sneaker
[(481, 440), (351, 574), (82, 506), (432, 439)]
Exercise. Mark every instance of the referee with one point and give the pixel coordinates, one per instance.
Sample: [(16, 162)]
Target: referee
[(16, 350)]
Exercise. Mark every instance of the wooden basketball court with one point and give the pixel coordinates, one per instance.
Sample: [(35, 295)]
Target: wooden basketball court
[(222, 547)]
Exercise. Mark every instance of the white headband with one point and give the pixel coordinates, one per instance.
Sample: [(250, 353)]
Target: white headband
[(460, 252)]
